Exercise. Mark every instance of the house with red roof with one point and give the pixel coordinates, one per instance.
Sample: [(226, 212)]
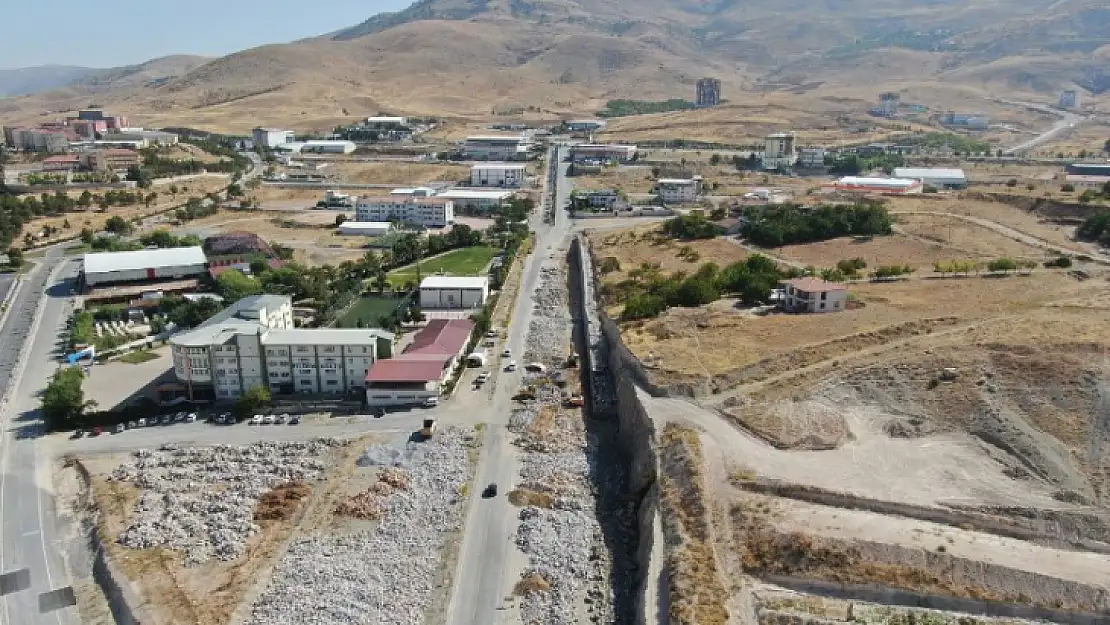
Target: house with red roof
[(812, 295), (423, 368)]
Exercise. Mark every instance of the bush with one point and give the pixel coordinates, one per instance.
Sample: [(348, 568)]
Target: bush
[(1012, 182), (1068, 188), (775, 226), (1002, 264), (1061, 262), (693, 226)]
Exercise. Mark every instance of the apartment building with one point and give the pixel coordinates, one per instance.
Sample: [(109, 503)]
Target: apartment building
[(779, 151), (117, 159), (708, 92), (254, 343), (497, 175), (678, 190), (48, 140), (811, 157), (430, 212), (497, 148)]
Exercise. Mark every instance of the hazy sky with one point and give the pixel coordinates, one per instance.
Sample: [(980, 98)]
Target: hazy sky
[(109, 33)]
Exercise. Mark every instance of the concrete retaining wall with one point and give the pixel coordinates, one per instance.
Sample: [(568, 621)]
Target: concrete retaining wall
[(637, 436)]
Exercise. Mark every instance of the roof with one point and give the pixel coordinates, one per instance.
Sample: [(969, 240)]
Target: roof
[(858, 181), (475, 194), (445, 337), (68, 158), (401, 198), (327, 336), (676, 181), (366, 225), (119, 152), (497, 166), (104, 262), (454, 282), (601, 146), (929, 172), (254, 302), (407, 369), (815, 285), (498, 138), (328, 142)]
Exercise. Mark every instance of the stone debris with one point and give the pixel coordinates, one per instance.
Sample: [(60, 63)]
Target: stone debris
[(384, 574), (201, 500), (562, 543)]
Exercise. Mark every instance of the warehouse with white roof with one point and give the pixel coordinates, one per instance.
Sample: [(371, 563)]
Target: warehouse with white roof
[(453, 292), (365, 228), (938, 178), (144, 266)]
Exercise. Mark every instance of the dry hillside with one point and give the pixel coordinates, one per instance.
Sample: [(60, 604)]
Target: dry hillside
[(467, 57)]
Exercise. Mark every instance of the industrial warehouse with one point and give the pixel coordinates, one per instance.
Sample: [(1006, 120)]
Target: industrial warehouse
[(143, 266)]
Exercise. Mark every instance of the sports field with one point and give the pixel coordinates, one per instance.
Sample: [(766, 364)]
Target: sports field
[(467, 261)]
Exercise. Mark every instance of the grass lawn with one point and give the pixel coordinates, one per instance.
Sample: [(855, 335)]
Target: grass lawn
[(369, 309), (467, 261), (138, 357)]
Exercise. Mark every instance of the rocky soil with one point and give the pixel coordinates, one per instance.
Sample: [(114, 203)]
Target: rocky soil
[(387, 572), (201, 501)]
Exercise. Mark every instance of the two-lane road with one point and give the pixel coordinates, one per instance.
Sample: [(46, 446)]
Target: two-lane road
[(27, 524)]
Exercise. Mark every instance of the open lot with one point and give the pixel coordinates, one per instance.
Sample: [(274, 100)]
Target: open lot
[(310, 233), (400, 174), (468, 261), (637, 246)]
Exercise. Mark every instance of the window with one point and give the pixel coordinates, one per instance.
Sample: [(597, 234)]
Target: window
[(364, 350), (306, 382), (824, 296), (271, 352), (333, 382), (329, 350), (822, 305), (285, 374)]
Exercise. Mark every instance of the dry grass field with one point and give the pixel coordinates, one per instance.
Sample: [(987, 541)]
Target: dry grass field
[(311, 234), (637, 246), (401, 174)]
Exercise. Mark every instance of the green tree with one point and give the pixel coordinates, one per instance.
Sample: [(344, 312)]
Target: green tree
[(15, 257), (63, 401), (118, 225), (1002, 264), (234, 285), (251, 401), (339, 219), (715, 159)]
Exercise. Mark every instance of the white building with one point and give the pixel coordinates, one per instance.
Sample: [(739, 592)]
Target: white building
[(386, 121), (144, 265), (477, 200), (602, 152), (893, 186), (413, 192), (365, 228), (272, 137), (497, 175), (431, 212), (938, 178), (779, 151), (253, 343), (812, 295), (453, 292), (497, 148), (678, 190), (328, 146)]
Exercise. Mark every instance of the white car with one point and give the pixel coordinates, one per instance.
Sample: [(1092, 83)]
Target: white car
[(491, 334), (256, 419), (508, 353), (511, 366), (191, 418), (280, 419), (431, 402), (142, 422), (483, 377), (269, 419)]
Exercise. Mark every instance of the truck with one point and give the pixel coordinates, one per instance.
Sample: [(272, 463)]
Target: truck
[(429, 429)]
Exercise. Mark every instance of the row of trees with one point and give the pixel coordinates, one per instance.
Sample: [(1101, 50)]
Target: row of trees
[(647, 292), (998, 265), (778, 225)]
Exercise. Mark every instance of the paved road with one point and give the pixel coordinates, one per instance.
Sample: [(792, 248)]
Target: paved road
[(27, 524), (1066, 122), (481, 577)]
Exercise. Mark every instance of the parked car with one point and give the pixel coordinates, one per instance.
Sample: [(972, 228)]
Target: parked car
[(431, 402), (511, 366), (491, 333), (191, 417), (483, 377), (508, 353), (120, 428), (256, 419), (131, 425), (294, 420), (281, 419), (142, 422), (179, 417), (490, 490), (268, 419), (97, 431)]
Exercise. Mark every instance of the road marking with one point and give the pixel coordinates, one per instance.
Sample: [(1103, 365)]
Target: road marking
[(31, 533)]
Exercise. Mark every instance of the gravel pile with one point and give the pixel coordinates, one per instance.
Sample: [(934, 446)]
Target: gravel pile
[(549, 331), (201, 500), (385, 574)]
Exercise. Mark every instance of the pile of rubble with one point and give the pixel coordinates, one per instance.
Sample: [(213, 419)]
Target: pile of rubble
[(548, 333), (201, 500), (369, 505), (385, 574), (564, 542)]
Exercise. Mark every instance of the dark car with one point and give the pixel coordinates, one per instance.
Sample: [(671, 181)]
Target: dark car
[(490, 491)]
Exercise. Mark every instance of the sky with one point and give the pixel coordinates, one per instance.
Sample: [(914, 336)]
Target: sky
[(125, 32)]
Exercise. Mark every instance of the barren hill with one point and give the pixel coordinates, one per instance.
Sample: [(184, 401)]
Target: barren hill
[(466, 57)]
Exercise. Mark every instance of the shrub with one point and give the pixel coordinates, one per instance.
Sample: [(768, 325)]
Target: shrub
[(1012, 182), (1062, 262), (1068, 188)]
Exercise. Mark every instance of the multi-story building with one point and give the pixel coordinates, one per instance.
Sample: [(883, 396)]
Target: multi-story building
[(497, 148), (253, 343), (272, 137), (585, 125), (596, 198), (599, 152), (432, 212), (425, 366), (117, 159), (812, 295), (678, 190), (708, 92), (497, 175), (50, 140), (811, 157), (477, 201), (1069, 99), (779, 151), (64, 162)]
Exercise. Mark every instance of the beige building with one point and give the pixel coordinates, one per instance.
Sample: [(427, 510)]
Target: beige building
[(812, 295), (678, 190), (254, 343), (779, 151)]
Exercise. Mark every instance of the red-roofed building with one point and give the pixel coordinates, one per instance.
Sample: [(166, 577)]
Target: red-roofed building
[(426, 364), (67, 162)]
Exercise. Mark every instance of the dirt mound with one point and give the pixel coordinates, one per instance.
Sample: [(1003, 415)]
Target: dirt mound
[(281, 503), (789, 424), (369, 505)]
